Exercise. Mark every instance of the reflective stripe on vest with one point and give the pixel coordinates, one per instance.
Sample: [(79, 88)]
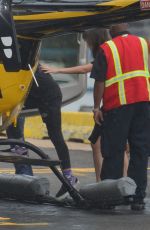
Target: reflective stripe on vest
[(121, 77), (145, 55)]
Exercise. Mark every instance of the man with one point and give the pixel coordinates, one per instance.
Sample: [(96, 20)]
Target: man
[(121, 78)]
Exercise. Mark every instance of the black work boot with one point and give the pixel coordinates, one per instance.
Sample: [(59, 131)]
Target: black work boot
[(138, 204)]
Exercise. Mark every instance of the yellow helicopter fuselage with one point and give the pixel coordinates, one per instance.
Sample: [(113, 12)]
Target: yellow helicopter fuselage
[(34, 20)]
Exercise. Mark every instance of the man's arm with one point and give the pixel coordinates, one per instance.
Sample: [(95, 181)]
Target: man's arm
[(98, 95), (99, 74)]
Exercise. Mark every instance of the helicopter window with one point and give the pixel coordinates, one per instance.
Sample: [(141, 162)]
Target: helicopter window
[(61, 51), (66, 51)]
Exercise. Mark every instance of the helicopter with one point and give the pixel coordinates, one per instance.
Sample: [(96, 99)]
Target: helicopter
[(24, 23)]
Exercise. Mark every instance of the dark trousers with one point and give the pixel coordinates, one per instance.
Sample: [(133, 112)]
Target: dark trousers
[(17, 132), (132, 123)]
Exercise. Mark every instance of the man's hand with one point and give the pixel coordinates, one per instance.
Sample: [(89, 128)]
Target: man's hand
[(98, 116)]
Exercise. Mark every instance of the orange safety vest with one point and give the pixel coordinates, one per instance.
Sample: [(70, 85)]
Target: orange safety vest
[(127, 78)]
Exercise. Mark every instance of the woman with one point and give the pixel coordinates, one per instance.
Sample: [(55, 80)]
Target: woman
[(48, 99)]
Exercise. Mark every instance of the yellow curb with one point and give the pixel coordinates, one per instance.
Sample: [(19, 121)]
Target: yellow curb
[(75, 126)]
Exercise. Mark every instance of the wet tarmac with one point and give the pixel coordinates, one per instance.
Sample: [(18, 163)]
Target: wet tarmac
[(17, 215), (27, 216)]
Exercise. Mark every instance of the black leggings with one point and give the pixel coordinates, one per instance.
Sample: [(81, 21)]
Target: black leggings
[(53, 124), (48, 99)]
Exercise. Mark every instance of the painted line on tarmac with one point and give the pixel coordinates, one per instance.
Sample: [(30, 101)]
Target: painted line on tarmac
[(22, 224), (79, 171), (43, 170), (4, 218), (6, 221)]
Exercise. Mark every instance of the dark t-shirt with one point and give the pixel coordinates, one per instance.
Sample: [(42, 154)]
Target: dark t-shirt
[(47, 94), (99, 67)]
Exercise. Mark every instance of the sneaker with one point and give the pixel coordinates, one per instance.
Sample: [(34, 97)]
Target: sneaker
[(63, 193), (19, 150)]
